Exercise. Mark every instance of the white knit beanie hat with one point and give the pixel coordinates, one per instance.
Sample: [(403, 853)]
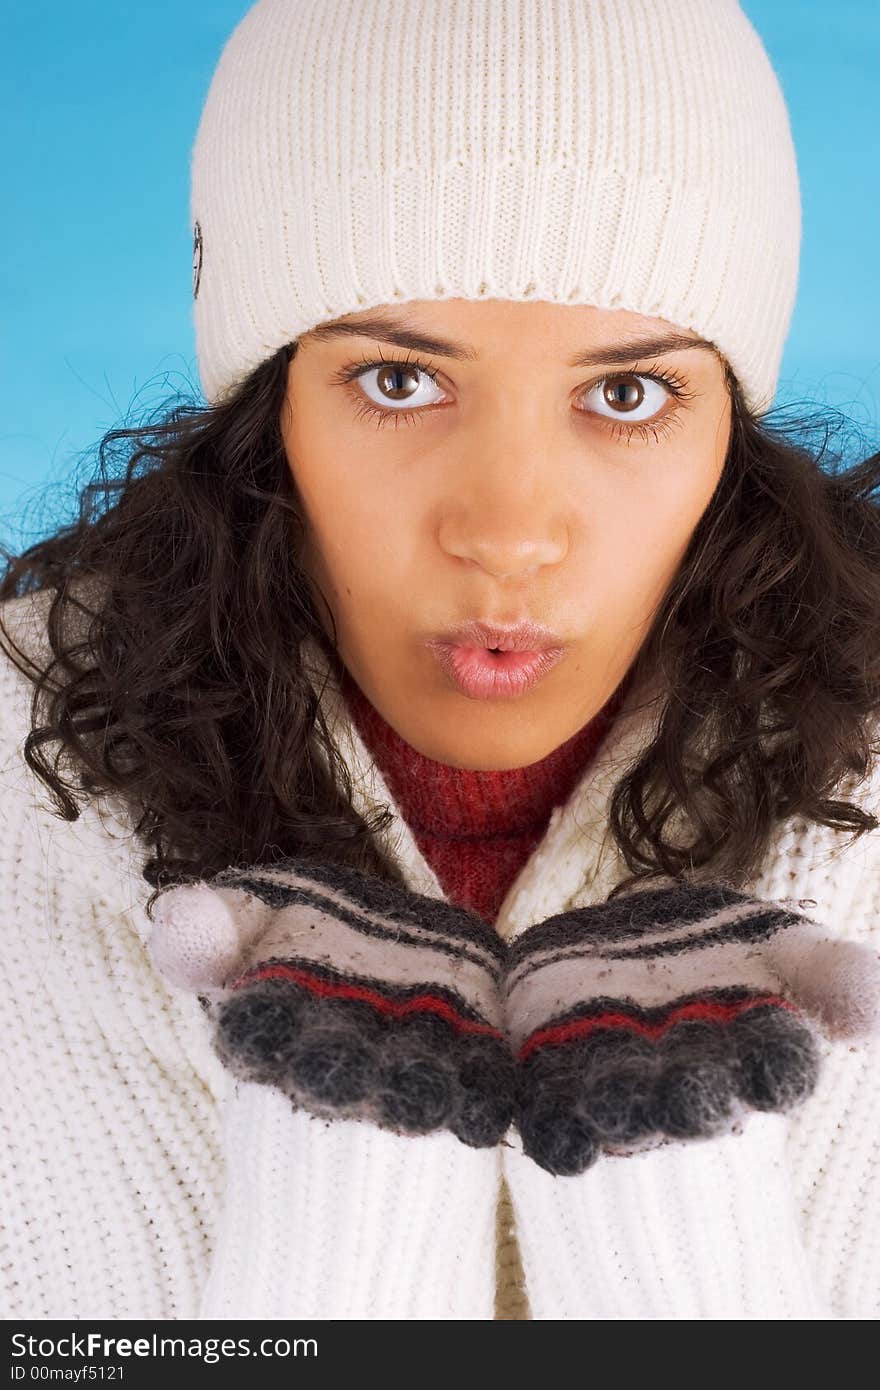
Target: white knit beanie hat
[(625, 154)]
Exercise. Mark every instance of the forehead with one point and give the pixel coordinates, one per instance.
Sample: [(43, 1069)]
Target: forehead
[(469, 330), (485, 315)]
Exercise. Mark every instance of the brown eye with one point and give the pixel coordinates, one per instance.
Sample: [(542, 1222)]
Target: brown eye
[(393, 381), (624, 393), (390, 381)]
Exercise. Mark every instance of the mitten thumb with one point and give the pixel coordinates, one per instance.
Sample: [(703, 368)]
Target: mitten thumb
[(197, 942), (837, 981)]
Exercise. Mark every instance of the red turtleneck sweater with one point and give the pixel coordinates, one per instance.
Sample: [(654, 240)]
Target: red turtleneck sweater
[(476, 829)]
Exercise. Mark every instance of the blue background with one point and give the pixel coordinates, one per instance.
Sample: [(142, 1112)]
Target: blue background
[(100, 104)]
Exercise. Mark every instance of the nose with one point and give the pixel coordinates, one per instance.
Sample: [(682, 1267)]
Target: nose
[(505, 514)]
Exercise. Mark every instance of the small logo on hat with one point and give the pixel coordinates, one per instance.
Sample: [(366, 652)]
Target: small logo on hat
[(197, 259)]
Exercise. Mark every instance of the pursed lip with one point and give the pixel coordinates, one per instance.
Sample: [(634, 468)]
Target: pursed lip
[(524, 636)]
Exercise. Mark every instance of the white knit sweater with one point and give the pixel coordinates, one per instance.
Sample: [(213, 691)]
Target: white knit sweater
[(140, 1180)]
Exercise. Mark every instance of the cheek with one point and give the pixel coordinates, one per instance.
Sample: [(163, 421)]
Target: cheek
[(635, 542), (340, 522), (355, 550)]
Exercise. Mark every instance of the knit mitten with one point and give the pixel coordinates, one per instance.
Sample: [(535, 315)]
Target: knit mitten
[(353, 996), (671, 1012)]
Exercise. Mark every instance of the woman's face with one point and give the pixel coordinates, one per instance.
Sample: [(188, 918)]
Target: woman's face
[(490, 478)]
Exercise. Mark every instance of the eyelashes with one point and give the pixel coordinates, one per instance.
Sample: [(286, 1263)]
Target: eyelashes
[(618, 429)]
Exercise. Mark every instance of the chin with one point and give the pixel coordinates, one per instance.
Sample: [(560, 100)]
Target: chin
[(484, 754)]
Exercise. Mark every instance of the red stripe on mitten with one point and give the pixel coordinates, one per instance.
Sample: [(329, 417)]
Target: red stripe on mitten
[(355, 997), (671, 1012)]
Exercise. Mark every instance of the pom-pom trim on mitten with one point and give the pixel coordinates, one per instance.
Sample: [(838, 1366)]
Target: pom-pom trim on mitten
[(649, 1018), (417, 1044)]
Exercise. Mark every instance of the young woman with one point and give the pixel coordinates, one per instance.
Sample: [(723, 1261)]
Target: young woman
[(505, 779)]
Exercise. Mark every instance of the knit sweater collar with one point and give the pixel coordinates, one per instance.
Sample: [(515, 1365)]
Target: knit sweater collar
[(442, 801)]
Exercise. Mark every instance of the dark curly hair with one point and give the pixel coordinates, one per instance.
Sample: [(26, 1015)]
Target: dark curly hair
[(183, 695)]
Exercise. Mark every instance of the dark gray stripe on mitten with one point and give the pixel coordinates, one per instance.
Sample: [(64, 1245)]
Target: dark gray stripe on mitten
[(652, 1018), (359, 999)]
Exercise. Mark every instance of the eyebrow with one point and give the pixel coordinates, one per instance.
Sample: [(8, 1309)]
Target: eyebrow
[(403, 334)]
